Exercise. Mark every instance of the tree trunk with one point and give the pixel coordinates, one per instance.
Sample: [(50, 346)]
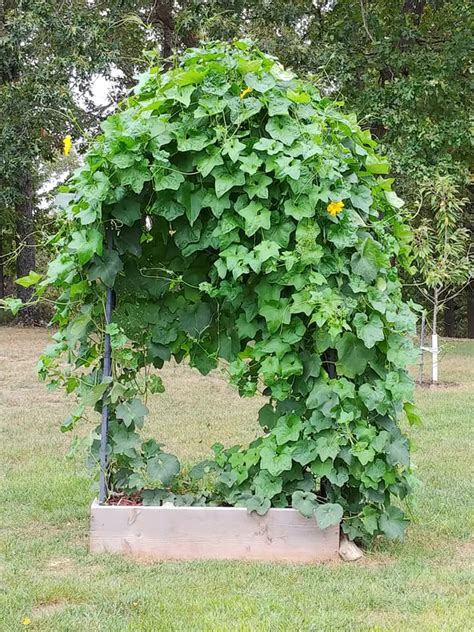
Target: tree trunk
[(2, 271), (414, 8), (162, 14), (435, 311), (26, 259), (470, 310)]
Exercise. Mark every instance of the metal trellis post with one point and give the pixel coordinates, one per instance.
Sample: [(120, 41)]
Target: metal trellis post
[(107, 372)]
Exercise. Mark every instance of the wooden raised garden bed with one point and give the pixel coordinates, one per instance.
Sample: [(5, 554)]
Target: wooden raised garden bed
[(205, 533)]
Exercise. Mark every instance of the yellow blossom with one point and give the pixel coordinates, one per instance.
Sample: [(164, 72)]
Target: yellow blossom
[(334, 208), (67, 143), (245, 92), (25, 621)]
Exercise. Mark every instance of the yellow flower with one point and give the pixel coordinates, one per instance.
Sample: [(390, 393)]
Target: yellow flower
[(25, 621), (67, 143), (245, 92), (334, 208)]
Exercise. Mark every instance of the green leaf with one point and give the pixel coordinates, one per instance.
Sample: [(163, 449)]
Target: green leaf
[(284, 129), (290, 365), (411, 412), (323, 397), (132, 412), (339, 477), (13, 305), (125, 442), (393, 523), (192, 199), (328, 515), (243, 109), (368, 260), (163, 468), (32, 278), (209, 159), (298, 96), (363, 453), (251, 163), (278, 106), (256, 217), (373, 397), (269, 146), (261, 83), (97, 188), (183, 93), (327, 447), (233, 148), (400, 350), (167, 206), (321, 468), (275, 463), (266, 485), (196, 318), (352, 355), (287, 429), (200, 470), (227, 178), (135, 176), (394, 200), (299, 208), (305, 451), (398, 452), (376, 164), (370, 330), (155, 384), (256, 503), (78, 327), (267, 417), (276, 313), (155, 497), (165, 178), (195, 141), (127, 211), (90, 395), (370, 519), (304, 502), (105, 268)]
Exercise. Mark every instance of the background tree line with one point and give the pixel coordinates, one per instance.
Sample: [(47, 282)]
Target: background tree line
[(401, 65)]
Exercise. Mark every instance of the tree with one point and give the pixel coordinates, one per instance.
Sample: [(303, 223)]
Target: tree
[(443, 251), (47, 58)]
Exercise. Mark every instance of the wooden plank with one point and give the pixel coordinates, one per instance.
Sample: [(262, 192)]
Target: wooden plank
[(219, 533)]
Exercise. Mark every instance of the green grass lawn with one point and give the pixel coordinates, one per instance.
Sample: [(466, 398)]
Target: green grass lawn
[(47, 574)]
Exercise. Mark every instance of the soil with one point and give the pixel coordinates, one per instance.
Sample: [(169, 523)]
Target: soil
[(430, 384), (125, 500)]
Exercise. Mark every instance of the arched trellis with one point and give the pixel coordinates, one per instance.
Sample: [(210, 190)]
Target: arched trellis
[(269, 243)]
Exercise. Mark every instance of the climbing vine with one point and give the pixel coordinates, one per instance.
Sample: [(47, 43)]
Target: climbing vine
[(253, 224)]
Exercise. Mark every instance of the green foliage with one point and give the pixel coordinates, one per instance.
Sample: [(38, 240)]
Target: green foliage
[(266, 238), (442, 245)]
